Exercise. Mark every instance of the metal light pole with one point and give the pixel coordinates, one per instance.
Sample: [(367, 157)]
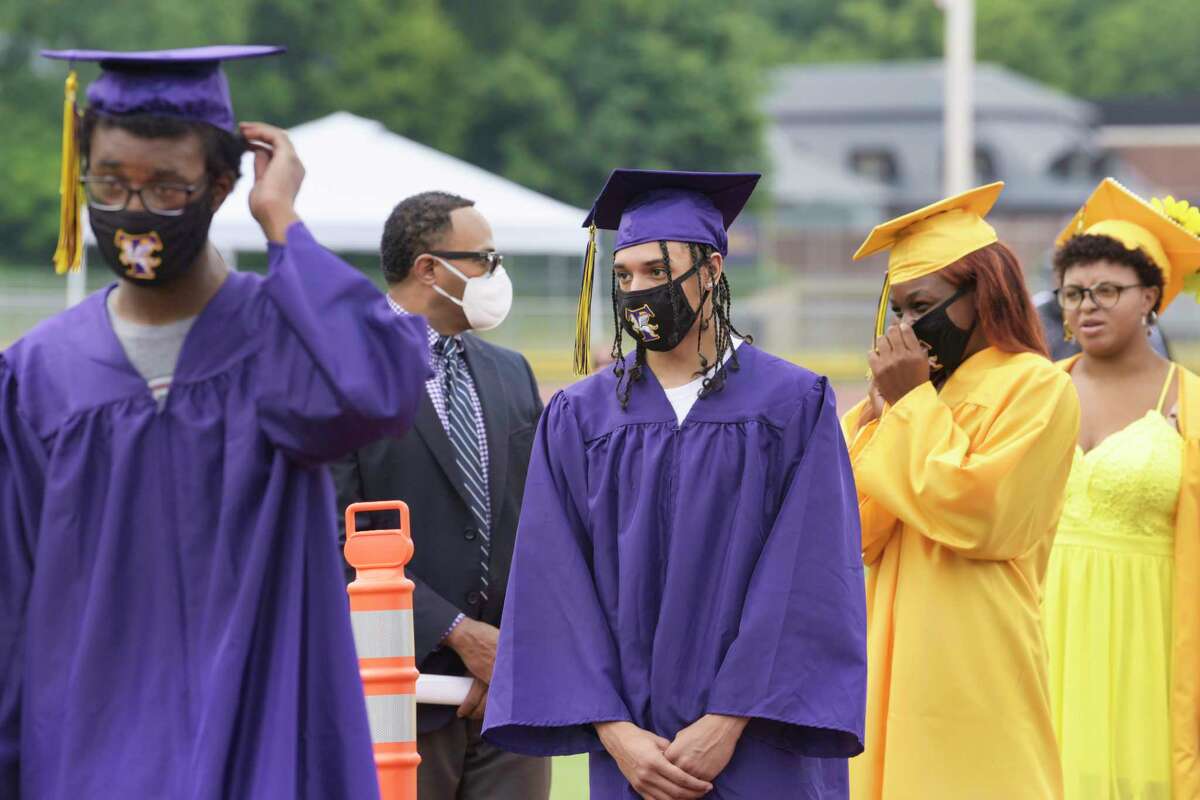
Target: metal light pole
[(958, 130), (77, 279)]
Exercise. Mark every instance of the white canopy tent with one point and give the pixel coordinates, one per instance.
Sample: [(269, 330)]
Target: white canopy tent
[(356, 171)]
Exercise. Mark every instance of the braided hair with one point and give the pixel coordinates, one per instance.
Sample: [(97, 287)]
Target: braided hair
[(714, 379), (625, 378), (720, 317)]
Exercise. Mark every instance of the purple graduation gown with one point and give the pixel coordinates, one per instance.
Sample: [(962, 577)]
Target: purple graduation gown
[(173, 618), (665, 571)]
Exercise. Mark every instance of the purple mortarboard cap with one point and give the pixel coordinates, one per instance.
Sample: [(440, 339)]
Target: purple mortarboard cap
[(644, 205), (187, 83)]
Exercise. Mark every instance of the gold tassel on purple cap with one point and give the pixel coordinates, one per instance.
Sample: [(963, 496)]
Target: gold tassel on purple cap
[(583, 314), (68, 254)]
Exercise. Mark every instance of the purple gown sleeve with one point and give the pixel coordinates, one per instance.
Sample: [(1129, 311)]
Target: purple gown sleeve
[(21, 470), (339, 368), (556, 669), (798, 666)]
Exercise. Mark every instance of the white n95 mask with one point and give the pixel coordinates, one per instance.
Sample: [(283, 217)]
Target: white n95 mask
[(486, 299)]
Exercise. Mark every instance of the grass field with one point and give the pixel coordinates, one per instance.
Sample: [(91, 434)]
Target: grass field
[(570, 778)]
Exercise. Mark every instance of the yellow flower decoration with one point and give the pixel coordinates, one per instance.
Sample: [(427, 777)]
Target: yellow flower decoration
[(1188, 217), (1185, 214)]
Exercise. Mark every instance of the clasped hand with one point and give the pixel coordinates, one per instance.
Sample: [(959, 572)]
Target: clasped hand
[(680, 770)]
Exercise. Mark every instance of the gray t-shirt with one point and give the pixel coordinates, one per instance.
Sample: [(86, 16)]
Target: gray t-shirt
[(152, 349)]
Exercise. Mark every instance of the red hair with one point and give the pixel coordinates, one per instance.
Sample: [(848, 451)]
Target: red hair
[(1002, 305)]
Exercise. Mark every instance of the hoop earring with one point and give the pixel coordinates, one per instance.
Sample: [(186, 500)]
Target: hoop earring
[(1068, 334)]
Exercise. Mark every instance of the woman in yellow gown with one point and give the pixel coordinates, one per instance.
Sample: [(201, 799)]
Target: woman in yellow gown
[(960, 475), (1122, 588)]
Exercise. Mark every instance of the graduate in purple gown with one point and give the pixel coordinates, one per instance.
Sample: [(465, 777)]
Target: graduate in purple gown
[(173, 621), (686, 599)]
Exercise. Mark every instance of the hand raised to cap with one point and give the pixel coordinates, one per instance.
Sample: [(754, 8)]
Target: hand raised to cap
[(278, 174), (899, 363)]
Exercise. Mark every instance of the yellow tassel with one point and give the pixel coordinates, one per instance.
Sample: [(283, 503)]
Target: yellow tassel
[(881, 312), (68, 254), (583, 315)]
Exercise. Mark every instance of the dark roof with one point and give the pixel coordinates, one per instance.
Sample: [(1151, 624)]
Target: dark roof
[(1022, 194), (910, 87), (1178, 110)]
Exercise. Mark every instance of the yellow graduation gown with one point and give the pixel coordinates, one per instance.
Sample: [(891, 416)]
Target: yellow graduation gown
[(960, 493), (1185, 658), (1185, 628)]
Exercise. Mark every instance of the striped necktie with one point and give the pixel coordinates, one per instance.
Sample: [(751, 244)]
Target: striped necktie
[(460, 419)]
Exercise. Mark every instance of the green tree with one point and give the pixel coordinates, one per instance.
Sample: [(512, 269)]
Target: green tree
[(1090, 48), (673, 84), (403, 63), (551, 93), (1136, 49)]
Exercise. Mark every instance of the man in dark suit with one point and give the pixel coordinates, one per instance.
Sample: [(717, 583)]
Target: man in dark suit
[(461, 469)]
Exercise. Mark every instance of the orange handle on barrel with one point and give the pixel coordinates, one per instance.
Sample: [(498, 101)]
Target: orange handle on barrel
[(381, 614)]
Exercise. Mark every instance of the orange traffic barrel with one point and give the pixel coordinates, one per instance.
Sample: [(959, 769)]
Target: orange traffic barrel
[(381, 615)]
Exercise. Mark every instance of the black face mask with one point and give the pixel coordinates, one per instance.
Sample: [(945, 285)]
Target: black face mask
[(653, 320), (946, 341), (150, 249)]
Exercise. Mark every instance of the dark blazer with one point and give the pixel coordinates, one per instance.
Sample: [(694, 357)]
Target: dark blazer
[(419, 468)]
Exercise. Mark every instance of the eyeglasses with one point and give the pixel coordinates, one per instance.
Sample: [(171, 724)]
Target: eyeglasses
[(1104, 295), (165, 198), (491, 259)]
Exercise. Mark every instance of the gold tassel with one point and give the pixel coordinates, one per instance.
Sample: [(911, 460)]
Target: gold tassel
[(69, 252), (881, 312), (583, 314)]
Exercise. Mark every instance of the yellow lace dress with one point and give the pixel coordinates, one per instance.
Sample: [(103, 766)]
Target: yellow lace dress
[(1107, 613)]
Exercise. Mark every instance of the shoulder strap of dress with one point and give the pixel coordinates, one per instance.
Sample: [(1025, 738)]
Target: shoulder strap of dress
[(1162, 397)]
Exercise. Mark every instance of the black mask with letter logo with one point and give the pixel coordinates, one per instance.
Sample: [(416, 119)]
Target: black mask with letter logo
[(946, 341), (151, 249), (660, 317)]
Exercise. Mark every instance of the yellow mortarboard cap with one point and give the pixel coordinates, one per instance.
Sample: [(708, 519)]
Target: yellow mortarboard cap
[(1166, 231), (931, 238)]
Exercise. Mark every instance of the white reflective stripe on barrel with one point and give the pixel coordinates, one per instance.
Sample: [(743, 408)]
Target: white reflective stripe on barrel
[(383, 634), (393, 718)]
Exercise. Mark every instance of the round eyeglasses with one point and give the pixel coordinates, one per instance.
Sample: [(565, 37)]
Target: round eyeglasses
[(165, 198), (1104, 295)]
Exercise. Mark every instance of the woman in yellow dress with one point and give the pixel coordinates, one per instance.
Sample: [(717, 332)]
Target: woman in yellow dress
[(1122, 588), (961, 456)]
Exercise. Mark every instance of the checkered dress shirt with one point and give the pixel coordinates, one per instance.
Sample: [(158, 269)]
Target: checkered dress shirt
[(436, 388)]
